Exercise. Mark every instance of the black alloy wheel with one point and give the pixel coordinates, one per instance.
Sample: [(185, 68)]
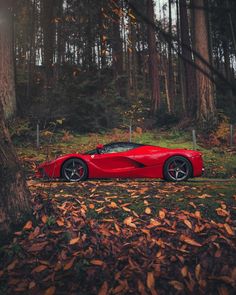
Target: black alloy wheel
[(177, 168), (74, 170)]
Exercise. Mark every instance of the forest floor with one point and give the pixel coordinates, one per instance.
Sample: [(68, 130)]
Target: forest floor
[(123, 236)]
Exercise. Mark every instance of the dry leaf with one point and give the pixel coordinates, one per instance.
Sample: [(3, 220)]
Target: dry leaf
[(150, 280), (50, 291), (198, 214), (113, 205), (197, 271), (141, 288), (37, 247), (96, 262), (128, 221), (35, 233), (222, 212), (184, 271), (148, 210), (229, 230), (162, 214), (177, 285), (193, 205), (69, 264), (32, 285), (91, 206), (60, 222), (44, 219), (104, 289), (153, 223), (12, 265), (222, 290), (74, 241), (126, 209), (189, 241), (28, 225), (39, 268), (188, 223), (117, 227)]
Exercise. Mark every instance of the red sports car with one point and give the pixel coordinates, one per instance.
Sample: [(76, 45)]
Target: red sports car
[(125, 160)]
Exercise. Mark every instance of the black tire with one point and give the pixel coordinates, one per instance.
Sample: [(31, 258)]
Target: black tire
[(177, 168), (74, 170)]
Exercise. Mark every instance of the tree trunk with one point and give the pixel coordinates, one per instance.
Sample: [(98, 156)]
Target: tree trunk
[(14, 195), (117, 53), (180, 76), (153, 60), (48, 39), (7, 81), (189, 78), (170, 94), (205, 90)]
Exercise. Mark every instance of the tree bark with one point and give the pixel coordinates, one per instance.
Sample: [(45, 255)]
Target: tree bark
[(170, 94), (117, 53), (14, 194), (205, 90), (153, 60), (48, 39), (189, 77), (7, 81)]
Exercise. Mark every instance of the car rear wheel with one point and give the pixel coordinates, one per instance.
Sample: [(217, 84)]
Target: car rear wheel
[(177, 168), (74, 170)]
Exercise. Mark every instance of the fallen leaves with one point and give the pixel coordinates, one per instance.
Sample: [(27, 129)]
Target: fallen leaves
[(50, 291), (37, 247), (129, 221), (162, 214), (74, 241), (39, 268), (222, 212), (12, 265), (28, 225), (104, 289), (189, 241), (229, 230), (107, 243), (188, 223), (69, 264), (148, 211), (177, 285), (96, 262), (150, 280)]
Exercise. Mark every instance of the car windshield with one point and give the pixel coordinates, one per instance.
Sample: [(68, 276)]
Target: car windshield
[(114, 148)]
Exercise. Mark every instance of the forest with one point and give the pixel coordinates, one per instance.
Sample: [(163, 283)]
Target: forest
[(76, 73), (97, 64)]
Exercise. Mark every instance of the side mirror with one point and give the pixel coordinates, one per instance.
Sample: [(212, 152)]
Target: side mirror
[(99, 148)]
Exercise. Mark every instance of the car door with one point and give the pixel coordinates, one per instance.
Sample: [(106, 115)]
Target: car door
[(114, 160)]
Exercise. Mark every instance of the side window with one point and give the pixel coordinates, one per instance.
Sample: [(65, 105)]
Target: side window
[(117, 148)]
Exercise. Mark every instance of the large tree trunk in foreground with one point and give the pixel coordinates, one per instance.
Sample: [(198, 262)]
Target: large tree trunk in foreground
[(14, 196), (7, 86), (205, 89)]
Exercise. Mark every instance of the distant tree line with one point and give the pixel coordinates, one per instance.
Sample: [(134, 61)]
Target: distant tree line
[(103, 56)]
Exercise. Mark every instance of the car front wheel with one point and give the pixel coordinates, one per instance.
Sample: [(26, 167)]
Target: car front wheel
[(177, 168), (74, 170)]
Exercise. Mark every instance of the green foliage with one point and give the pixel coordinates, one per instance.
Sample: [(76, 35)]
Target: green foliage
[(19, 127)]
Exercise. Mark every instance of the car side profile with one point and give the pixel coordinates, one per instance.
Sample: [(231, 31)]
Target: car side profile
[(125, 160)]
